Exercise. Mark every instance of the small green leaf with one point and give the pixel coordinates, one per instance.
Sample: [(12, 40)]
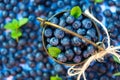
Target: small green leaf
[(23, 21), (9, 26), (54, 51), (55, 78), (99, 1), (15, 23), (117, 74), (116, 59), (16, 34), (76, 11)]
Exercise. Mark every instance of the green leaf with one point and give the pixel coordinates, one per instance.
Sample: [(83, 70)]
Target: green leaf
[(23, 21), (9, 26), (117, 74), (116, 59), (55, 78), (15, 24), (99, 1), (76, 11), (54, 51), (16, 34)]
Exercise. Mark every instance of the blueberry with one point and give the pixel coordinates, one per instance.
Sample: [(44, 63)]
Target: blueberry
[(48, 66), (60, 4), (107, 13), (39, 72), (98, 8), (65, 41), (2, 38), (104, 78), (99, 17), (73, 3), (38, 57), (60, 47), (31, 64), (16, 9), (61, 57), (76, 24), (30, 57), (48, 3), (2, 6), (81, 31), (59, 33), (5, 13), (48, 32), (24, 14), (114, 33), (115, 16), (32, 73), (85, 54), (6, 73), (69, 28), (11, 15), (8, 7), (54, 41), (77, 50), (22, 6), (111, 3), (80, 17), (13, 72), (13, 2), (66, 1), (53, 6), (18, 69), (77, 59), (40, 65), (66, 14), (91, 32), (6, 1), (58, 68), (18, 77), (70, 19), (76, 41), (87, 24), (4, 59), (116, 23), (25, 74), (111, 27), (69, 54), (62, 22), (90, 49), (38, 78)]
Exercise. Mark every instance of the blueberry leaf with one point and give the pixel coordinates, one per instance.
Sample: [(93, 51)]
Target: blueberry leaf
[(99, 1), (55, 78), (16, 33), (15, 23), (76, 11), (9, 26), (23, 21), (116, 59), (54, 51), (117, 74)]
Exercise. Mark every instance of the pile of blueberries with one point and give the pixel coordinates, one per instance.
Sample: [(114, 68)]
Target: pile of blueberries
[(74, 49), (27, 60)]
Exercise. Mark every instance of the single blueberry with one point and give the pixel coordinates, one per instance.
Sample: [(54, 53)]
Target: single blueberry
[(107, 13), (59, 33), (91, 32), (76, 41), (70, 19), (76, 24), (69, 54), (77, 59), (65, 41), (77, 50), (61, 57), (48, 32), (87, 24)]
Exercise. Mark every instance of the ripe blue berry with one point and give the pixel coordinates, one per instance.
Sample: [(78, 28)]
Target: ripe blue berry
[(61, 57), (65, 41), (77, 50), (69, 54), (70, 19), (59, 33), (76, 24), (91, 32), (87, 24), (54, 41), (76, 41), (77, 59)]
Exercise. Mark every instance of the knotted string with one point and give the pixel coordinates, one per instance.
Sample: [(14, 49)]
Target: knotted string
[(80, 71)]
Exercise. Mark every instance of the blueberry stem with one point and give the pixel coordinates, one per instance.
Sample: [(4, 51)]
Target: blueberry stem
[(43, 22)]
